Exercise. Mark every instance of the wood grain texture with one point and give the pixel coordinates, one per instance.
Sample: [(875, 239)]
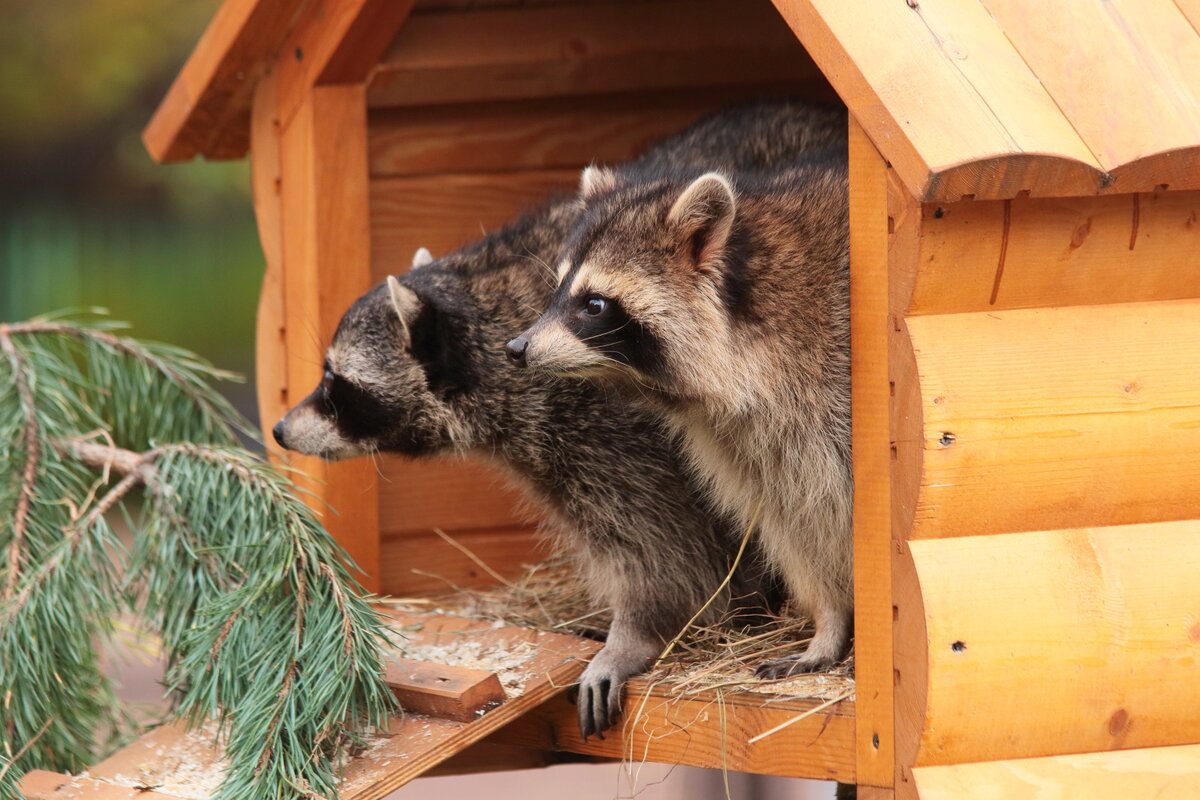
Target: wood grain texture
[(326, 255), (270, 338), (568, 132), (993, 130), (1127, 78), (444, 212), (523, 53), (1059, 252), (38, 784), (1058, 642), (453, 494), (705, 731), (212, 92), (422, 564), (444, 691), (334, 42), (871, 425), (1058, 417), (1163, 773)]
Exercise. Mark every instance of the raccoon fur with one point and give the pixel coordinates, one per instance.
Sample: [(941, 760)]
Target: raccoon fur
[(724, 300), (415, 368)]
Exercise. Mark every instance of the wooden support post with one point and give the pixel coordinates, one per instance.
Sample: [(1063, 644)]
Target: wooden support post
[(326, 255), (872, 460)]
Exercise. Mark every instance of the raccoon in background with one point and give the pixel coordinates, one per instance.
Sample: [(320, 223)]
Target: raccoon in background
[(417, 367), (724, 299)]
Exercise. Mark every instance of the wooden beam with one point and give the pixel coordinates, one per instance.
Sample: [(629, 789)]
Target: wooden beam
[(335, 43), (213, 89), (270, 338), (207, 109), (38, 784), (710, 730), (1162, 773), (419, 564), (1031, 252), (326, 256), (1058, 417), (523, 53), (546, 133), (870, 341), (1059, 642)]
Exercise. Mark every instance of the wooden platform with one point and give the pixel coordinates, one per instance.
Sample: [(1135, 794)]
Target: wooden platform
[(535, 725)]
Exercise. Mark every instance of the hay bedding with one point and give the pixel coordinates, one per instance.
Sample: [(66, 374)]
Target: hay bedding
[(549, 596)]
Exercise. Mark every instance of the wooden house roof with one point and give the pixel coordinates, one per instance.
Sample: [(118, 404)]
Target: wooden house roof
[(983, 98)]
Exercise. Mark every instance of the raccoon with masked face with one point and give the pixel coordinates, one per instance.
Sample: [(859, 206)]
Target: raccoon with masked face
[(724, 300), (415, 369)]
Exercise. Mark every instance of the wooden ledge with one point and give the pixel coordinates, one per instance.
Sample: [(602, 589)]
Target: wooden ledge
[(709, 729)]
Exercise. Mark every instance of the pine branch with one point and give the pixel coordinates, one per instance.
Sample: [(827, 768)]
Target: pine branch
[(32, 453), (264, 627)]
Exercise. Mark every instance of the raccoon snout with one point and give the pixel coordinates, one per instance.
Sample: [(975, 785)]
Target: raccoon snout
[(516, 350), (278, 432)]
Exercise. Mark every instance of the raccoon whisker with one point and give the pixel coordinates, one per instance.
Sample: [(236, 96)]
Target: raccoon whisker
[(605, 333)]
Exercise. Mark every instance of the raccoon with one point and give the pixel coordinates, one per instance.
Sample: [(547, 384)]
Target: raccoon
[(415, 368), (723, 299)]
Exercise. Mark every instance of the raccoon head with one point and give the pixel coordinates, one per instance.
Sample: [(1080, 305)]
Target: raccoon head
[(642, 285), (375, 394)]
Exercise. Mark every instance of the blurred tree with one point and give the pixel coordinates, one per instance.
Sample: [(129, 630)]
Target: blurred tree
[(86, 218)]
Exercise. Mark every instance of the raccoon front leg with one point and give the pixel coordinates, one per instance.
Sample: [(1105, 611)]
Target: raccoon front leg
[(627, 652), (831, 638)]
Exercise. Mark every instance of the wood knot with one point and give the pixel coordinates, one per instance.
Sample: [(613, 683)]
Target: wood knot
[(947, 439), (1118, 723), (1080, 235), (1194, 632)]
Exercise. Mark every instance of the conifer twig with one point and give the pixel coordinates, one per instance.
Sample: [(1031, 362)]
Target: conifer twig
[(32, 456)]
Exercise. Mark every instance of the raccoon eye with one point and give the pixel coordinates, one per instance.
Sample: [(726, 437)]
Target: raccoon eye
[(327, 380), (594, 306)]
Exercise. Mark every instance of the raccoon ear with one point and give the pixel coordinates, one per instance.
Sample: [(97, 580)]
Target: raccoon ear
[(703, 217), (406, 303), (596, 180), (421, 257)]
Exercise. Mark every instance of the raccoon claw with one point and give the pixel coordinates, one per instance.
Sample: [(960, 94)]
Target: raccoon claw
[(599, 706), (792, 665)]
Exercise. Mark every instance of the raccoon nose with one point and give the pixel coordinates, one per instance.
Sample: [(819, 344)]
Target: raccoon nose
[(278, 432), (516, 350)]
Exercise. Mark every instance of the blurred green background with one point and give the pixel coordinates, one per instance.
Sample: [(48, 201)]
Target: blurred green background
[(86, 218)]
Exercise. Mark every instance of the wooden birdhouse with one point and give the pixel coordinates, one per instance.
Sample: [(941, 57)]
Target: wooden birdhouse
[(1025, 250)]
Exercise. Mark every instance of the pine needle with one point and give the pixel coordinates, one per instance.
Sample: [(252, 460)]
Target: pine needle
[(263, 627)]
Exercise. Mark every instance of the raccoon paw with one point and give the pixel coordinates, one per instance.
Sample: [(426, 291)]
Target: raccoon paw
[(601, 689), (793, 665)]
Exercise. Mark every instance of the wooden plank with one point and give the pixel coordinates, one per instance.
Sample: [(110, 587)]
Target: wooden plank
[(1059, 252), (417, 743), (523, 53), (212, 91), (439, 690), (335, 42), (444, 212), (1058, 642), (1127, 78), (569, 132), (270, 338), (413, 743), (1058, 417), (708, 730), (993, 132), (38, 784), (904, 224), (326, 254), (416, 565), (1163, 773), (871, 425), (416, 496)]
